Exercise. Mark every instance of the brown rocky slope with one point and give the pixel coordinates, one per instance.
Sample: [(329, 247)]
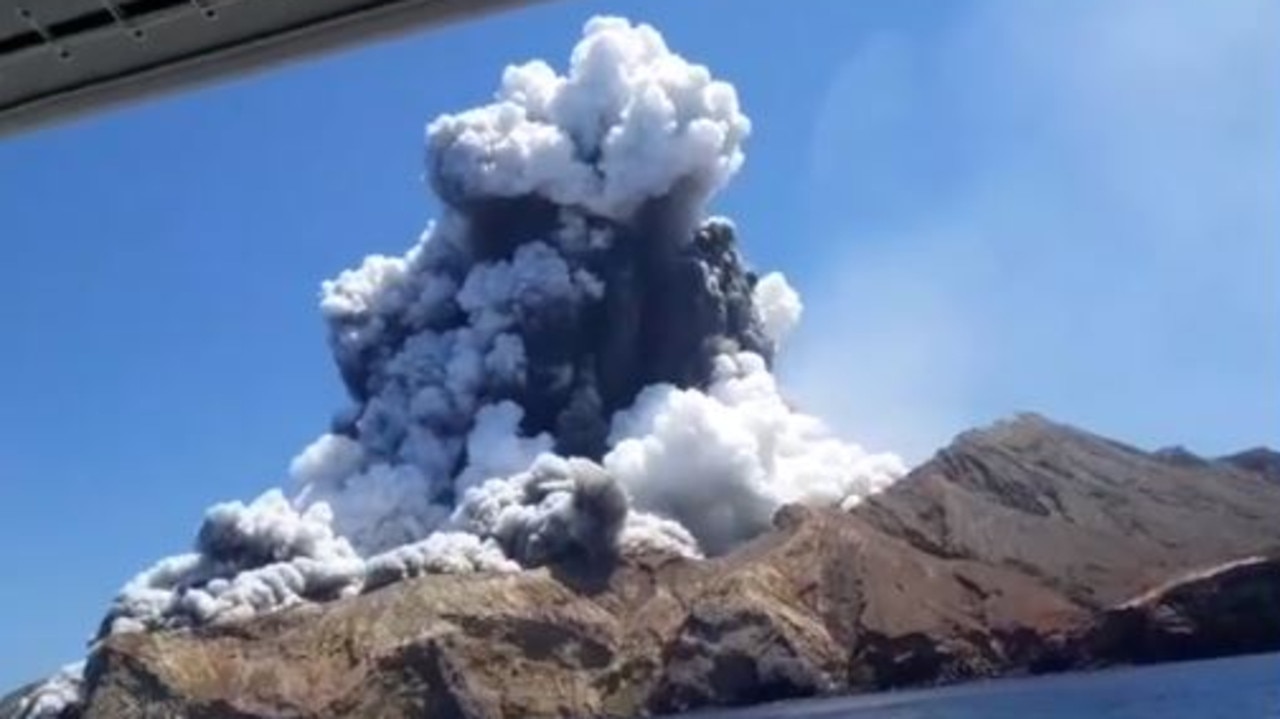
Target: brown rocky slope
[(1017, 548), (826, 603), (1098, 520)]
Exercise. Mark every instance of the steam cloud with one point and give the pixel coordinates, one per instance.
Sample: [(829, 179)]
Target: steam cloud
[(571, 362), (53, 697)]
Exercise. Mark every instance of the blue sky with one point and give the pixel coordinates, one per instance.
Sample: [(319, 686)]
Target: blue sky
[(992, 206)]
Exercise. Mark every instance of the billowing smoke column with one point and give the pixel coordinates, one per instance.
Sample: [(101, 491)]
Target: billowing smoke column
[(571, 362)]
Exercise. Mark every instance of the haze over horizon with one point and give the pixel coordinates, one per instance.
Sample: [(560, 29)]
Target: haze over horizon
[(1003, 207)]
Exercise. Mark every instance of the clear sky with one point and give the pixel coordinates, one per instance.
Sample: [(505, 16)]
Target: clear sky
[(990, 206)]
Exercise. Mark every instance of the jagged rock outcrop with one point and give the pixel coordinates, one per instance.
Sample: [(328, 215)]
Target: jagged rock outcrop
[(1025, 547), (1229, 609)]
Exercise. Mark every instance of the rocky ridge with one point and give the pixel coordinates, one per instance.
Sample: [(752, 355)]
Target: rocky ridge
[(826, 603), (1028, 546), (1096, 519)]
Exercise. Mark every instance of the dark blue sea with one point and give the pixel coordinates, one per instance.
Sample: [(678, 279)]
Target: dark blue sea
[(1238, 688)]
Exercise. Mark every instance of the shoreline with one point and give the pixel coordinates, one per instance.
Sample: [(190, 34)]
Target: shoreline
[(987, 686)]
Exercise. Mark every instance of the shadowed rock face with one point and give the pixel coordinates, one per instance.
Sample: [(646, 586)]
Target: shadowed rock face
[(1025, 547), (1259, 460), (1231, 609)]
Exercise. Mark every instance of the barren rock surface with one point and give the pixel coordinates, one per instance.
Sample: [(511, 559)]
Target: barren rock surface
[(825, 604), (1230, 609), (1096, 519), (1025, 547)]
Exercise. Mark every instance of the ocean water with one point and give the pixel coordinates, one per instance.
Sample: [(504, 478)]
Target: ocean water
[(1236, 688)]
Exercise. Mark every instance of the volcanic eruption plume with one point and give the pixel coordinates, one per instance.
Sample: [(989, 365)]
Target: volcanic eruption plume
[(573, 361)]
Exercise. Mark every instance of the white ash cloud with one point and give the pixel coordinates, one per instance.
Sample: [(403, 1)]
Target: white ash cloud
[(721, 460), (248, 559), (571, 362), (627, 123), (54, 697), (442, 552), (779, 306)]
